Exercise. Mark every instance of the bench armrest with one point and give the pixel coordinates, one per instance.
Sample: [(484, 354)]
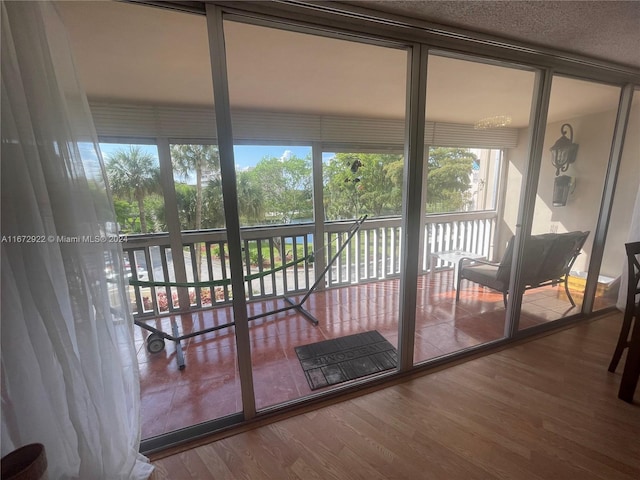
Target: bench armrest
[(474, 260)]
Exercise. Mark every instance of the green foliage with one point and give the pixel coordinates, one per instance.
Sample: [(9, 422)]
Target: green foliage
[(213, 207), (127, 216), (154, 205), (281, 188), (133, 174), (363, 183), (201, 164), (186, 203), (97, 188), (358, 184), (250, 198), (187, 160), (255, 256), (448, 180)]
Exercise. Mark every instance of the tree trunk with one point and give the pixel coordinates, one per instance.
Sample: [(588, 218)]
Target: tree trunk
[(143, 220), (277, 242), (198, 195), (198, 166)]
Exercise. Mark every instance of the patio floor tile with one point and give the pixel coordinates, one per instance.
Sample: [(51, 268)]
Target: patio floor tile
[(209, 386)]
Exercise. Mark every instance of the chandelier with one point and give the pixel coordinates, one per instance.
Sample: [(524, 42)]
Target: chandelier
[(497, 121)]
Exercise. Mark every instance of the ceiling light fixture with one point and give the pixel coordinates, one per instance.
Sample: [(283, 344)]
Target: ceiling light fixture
[(497, 121)]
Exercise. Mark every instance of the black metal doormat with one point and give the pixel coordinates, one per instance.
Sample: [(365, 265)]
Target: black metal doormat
[(341, 359)]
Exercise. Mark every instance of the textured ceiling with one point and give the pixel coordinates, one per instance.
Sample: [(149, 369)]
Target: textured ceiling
[(607, 30)]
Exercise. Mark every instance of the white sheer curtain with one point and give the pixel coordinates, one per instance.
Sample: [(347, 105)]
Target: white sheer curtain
[(69, 369)]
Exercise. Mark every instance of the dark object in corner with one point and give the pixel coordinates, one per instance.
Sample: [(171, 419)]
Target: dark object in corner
[(25, 463)]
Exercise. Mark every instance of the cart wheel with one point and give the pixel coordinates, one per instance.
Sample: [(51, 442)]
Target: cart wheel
[(155, 343)]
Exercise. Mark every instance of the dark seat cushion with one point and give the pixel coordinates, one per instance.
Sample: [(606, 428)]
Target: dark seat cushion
[(486, 275), (561, 250), (504, 269), (536, 248), (534, 251)]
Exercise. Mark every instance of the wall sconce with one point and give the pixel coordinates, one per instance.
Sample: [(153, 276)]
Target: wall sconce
[(562, 187), (563, 154)]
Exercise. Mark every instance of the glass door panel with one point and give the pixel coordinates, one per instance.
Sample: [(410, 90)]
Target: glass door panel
[(274, 184), (161, 88), (357, 184), (577, 146), (477, 126), (133, 171), (609, 291), (296, 90), (275, 187), (198, 191)]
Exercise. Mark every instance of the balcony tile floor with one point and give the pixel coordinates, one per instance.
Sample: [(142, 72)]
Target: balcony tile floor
[(209, 388)]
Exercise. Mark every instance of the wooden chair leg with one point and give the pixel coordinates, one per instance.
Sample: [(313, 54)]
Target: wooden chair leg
[(631, 372), (623, 341)]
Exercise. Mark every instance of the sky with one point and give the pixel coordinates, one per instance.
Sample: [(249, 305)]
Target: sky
[(248, 155)]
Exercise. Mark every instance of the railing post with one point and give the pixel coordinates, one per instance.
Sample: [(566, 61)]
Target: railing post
[(319, 261), (382, 255)]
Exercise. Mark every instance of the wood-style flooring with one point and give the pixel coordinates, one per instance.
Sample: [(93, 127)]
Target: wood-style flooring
[(544, 409)]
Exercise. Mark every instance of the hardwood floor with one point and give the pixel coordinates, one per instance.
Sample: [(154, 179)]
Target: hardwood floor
[(545, 409)]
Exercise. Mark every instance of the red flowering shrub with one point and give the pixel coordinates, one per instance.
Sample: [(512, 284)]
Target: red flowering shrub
[(205, 297), (146, 302), (163, 301)]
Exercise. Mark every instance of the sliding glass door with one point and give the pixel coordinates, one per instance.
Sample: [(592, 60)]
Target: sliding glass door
[(477, 136), (577, 144), (610, 290), (336, 275), (150, 81)]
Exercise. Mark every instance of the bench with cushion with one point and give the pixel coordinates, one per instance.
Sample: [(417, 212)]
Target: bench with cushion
[(548, 259)]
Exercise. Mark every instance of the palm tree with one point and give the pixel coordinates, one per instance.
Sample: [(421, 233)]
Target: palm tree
[(250, 198), (201, 160), (133, 174)]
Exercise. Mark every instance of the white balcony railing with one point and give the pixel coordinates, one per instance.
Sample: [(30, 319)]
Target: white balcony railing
[(373, 254)]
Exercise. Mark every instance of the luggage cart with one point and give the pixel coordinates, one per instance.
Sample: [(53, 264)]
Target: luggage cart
[(157, 337)]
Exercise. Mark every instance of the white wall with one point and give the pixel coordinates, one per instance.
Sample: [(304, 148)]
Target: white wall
[(515, 161), (594, 134), (625, 196)]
